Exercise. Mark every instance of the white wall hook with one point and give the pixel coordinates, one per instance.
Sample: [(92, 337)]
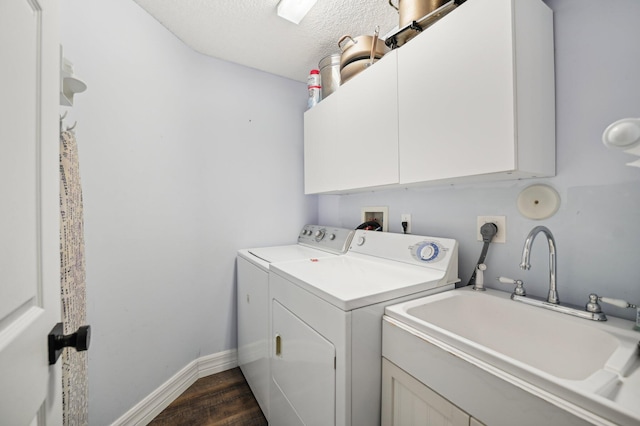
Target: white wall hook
[(69, 83)]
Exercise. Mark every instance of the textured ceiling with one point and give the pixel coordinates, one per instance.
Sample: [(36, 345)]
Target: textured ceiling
[(250, 33)]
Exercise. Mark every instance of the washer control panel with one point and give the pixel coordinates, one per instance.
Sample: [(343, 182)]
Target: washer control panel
[(419, 250), (428, 251)]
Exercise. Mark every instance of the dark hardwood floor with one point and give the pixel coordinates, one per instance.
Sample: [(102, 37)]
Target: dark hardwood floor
[(222, 399)]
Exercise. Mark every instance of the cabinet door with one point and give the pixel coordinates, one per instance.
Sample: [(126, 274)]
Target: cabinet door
[(456, 95), (351, 137), (406, 401)]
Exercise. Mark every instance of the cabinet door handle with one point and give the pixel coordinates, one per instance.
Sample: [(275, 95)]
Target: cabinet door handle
[(278, 345)]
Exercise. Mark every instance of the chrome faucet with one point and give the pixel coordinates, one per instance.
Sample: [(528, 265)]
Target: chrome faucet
[(592, 311), (526, 252)]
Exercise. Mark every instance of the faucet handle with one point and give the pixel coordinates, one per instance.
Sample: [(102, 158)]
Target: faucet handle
[(519, 290), (592, 304), (617, 302)]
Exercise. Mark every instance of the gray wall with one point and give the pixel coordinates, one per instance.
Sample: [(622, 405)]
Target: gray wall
[(597, 228), (184, 160)]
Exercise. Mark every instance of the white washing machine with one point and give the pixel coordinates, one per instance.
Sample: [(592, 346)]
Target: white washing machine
[(314, 242), (326, 324)]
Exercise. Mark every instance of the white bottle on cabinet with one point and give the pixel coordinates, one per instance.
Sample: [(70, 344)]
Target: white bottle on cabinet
[(314, 87)]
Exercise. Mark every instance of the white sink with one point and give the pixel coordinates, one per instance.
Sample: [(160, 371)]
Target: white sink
[(593, 364)]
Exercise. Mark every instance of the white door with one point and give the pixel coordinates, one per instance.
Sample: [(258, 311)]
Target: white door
[(29, 215)]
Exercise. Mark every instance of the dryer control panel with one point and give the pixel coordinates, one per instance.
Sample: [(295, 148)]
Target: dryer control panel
[(327, 238)]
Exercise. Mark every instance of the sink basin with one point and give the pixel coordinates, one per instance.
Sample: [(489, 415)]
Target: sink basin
[(504, 327), (595, 365)]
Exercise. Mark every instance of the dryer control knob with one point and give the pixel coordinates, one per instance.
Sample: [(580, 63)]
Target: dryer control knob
[(332, 237), (360, 241)]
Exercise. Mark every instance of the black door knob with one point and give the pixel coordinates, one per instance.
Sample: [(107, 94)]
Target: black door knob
[(58, 341)]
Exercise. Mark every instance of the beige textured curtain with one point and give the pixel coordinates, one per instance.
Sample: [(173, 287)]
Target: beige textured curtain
[(72, 282)]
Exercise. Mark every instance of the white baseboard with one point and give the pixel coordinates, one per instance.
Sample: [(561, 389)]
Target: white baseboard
[(147, 409), (215, 363)]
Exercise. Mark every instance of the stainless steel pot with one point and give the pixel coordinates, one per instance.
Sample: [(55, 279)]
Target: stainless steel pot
[(413, 10), (361, 47), (350, 70), (330, 74)]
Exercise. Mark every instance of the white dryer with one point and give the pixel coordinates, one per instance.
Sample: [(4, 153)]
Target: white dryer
[(314, 242), (326, 324)]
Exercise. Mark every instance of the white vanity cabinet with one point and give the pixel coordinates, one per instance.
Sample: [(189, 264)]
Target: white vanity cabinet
[(476, 95), (473, 98), (454, 384), (351, 137), (406, 401)]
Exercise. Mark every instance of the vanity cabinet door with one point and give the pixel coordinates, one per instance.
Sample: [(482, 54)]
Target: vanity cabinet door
[(351, 137), (406, 401), (476, 94)]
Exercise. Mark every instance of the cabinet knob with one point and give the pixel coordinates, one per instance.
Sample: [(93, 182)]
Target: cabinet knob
[(57, 341)]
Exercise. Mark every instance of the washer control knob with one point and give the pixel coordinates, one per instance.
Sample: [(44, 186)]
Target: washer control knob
[(319, 234), (332, 237), (360, 241), (427, 251)]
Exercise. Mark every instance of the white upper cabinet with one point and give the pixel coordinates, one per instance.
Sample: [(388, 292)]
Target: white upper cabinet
[(474, 100), (476, 94), (351, 137)]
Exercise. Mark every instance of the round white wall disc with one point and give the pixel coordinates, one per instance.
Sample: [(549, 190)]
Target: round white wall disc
[(538, 202)]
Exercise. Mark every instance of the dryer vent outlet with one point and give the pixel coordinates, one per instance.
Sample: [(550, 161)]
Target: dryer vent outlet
[(379, 214)]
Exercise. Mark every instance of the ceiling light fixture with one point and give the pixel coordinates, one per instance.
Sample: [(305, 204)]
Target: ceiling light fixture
[(294, 10)]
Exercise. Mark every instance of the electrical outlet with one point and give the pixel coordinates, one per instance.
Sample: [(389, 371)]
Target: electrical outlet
[(501, 223), (406, 217)]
